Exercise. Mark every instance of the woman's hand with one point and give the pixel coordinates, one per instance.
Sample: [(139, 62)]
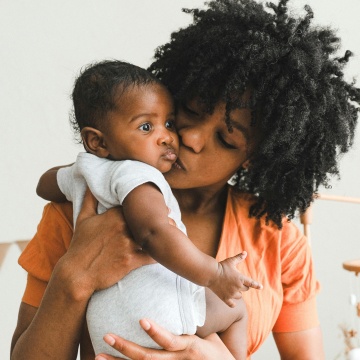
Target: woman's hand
[(176, 347), (101, 251)]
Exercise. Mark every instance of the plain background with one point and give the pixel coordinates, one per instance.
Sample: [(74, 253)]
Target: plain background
[(44, 44)]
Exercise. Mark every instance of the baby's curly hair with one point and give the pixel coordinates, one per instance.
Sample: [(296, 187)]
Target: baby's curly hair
[(300, 100)]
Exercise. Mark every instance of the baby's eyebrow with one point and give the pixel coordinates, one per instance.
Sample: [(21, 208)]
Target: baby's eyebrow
[(141, 115), (172, 113)]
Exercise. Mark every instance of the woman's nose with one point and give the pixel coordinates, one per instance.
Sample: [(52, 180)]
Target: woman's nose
[(193, 137)]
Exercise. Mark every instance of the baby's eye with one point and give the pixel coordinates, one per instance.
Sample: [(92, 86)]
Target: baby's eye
[(170, 124), (145, 127)]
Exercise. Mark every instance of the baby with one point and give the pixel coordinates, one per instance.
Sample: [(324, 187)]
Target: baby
[(126, 118)]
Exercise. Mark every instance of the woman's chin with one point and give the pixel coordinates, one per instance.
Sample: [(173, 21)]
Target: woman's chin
[(176, 178)]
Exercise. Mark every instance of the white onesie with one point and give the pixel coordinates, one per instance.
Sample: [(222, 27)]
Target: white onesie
[(151, 291)]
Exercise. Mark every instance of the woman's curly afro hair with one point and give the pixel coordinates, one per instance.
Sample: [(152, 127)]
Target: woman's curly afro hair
[(300, 100)]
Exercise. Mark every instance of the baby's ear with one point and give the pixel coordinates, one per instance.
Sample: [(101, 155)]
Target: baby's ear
[(93, 140)]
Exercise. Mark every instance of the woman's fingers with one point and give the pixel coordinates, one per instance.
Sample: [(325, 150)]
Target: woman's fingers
[(130, 349), (176, 347), (88, 207), (173, 345), (127, 348), (94, 249), (164, 338)]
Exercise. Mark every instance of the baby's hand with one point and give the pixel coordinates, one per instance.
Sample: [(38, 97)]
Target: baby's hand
[(229, 282)]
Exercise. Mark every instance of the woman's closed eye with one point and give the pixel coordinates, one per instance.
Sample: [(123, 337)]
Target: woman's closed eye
[(189, 110), (224, 142)]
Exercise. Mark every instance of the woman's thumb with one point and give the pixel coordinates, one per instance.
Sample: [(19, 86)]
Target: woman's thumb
[(88, 207)]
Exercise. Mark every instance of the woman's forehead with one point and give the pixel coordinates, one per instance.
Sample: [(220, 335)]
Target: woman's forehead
[(236, 101)]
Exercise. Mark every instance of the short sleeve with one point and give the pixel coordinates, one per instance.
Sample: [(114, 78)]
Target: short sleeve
[(131, 174), (64, 177), (34, 291), (299, 283), (49, 244)]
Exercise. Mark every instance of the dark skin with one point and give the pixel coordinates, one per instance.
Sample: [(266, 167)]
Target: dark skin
[(32, 319), (70, 286), (143, 129), (202, 148), (207, 224), (206, 164)]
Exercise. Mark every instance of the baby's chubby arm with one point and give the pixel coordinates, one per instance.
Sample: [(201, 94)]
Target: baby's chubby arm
[(48, 188), (146, 214)]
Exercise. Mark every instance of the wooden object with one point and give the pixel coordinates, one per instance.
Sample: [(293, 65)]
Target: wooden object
[(306, 217), (352, 265)]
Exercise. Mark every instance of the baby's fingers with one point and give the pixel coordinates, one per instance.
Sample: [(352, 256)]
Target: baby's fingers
[(250, 283), (235, 260)]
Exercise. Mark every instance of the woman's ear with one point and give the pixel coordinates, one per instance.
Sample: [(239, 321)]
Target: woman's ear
[(246, 164), (94, 143)]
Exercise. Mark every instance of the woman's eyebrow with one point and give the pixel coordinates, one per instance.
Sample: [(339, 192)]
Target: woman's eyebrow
[(237, 125)]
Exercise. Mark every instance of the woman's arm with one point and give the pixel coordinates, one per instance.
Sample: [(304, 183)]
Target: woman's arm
[(300, 345), (92, 262), (52, 331), (176, 347)]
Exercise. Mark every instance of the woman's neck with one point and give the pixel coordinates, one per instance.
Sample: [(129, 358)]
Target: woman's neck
[(201, 200), (202, 212)]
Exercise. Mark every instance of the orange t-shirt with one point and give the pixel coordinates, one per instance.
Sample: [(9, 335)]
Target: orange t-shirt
[(279, 259)]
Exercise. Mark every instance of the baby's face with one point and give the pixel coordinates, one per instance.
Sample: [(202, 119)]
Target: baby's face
[(143, 127)]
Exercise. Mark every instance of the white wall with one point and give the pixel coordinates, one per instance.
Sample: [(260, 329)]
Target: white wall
[(43, 44)]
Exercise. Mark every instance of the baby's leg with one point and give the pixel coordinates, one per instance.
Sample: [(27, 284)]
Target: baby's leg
[(151, 292), (229, 323)]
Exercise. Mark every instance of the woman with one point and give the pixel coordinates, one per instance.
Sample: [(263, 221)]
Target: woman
[(261, 96)]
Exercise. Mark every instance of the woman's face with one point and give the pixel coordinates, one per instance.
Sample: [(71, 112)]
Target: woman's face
[(209, 153)]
